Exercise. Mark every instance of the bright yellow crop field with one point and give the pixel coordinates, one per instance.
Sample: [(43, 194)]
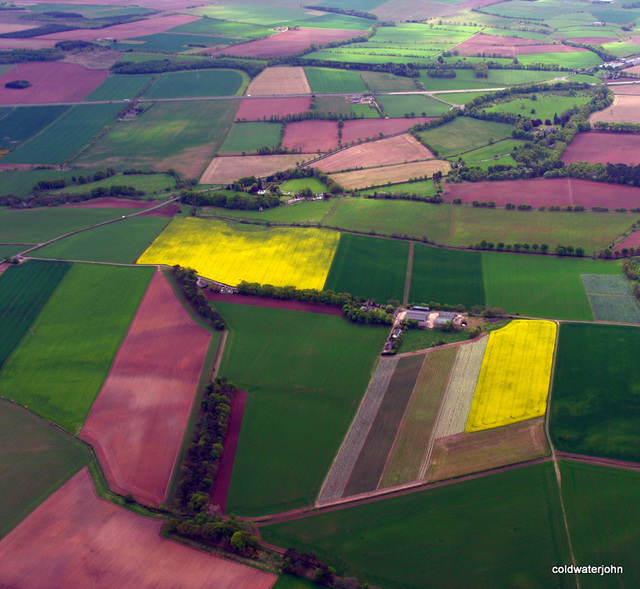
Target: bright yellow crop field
[(280, 256), (514, 379)]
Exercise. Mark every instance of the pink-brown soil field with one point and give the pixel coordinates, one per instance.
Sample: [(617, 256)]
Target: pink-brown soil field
[(50, 82), (280, 80), (606, 148), (138, 421), (632, 241), (273, 303), (463, 454), (76, 539), (167, 211), (311, 136), (29, 43), (547, 192), (509, 46), (625, 109), (258, 109), (287, 42), (393, 150), (13, 27), (382, 175), (126, 203), (626, 89), (224, 170), (360, 129)]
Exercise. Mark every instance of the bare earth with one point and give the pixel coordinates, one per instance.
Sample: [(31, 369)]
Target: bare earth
[(625, 109), (280, 80), (390, 174), (224, 170), (615, 148), (75, 539)]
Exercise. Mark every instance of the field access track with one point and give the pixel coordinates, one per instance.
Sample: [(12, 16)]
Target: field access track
[(98, 544), (138, 421)]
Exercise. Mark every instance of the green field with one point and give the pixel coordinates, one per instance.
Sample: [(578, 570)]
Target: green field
[(215, 26), (58, 368), (21, 182), (383, 82), (314, 184), (420, 339), (496, 153), (40, 225), (21, 124), (10, 250), (502, 530), (460, 98), (338, 105), (604, 521), (303, 213), (446, 276), (323, 80), (193, 84), (249, 137), (61, 140), (119, 87), (122, 242), (291, 582), (179, 135), (36, 459), (150, 184), (594, 403), (577, 59), (372, 267), (172, 43), (305, 374), (424, 188), (365, 55), (541, 286), (544, 107), (24, 290), (464, 134), (411, 105)]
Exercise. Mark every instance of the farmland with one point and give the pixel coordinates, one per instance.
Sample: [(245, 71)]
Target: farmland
[(257, 109), (224, 170), (60, 365), (370, 267), (150, 184), (604, 148), (593, 407), (360, 130), (36, 458), (197, 83), (544, 106), (494, 521), (118, 87), (311, 136), (383, 82), (327, 80), (410, 106), (20, 124), (305, 380), (229, 256), (281, 81), (623, 110), (249, 137), (390, 174), (611, 298), (21, 181)]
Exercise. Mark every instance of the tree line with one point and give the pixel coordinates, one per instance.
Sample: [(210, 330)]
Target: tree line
[(158, 66), (188, 281)]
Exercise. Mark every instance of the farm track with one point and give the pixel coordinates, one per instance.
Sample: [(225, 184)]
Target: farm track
[(407, 281)]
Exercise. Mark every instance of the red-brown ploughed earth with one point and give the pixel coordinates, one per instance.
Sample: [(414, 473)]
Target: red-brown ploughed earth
[(360, 129), (138, 421), (273, 303), (509, 46), (75, 539), (605, 148), (127, 203), (258, 109), (632, 241), (311, 136)]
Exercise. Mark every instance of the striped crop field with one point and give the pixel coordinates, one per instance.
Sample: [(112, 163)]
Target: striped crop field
[(514, 379), (281, 256)]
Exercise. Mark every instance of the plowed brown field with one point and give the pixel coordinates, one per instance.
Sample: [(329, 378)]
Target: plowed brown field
[(138, 421), (281, 81), (360, 129), (390, 174), (606, 148), (224, 170), (258, 109), (311, 136), (509, 46), (625, 109), (75, 539)]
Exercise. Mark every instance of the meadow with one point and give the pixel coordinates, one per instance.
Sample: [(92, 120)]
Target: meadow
[(249, 137), (215, 26), (20, 182), (171, 43), (193, 84), (544, 107), (466, 79), (412, 105), (305, 374), (383, 82), (150, 184), (326, 80), (594, 407), (494, 521), (573, 60), (36, 458), (278, 256), (58, 368), (20, 124), (297, 184), (375, 268), (119, 87), (421, 339), (303, 213), (490, 152)]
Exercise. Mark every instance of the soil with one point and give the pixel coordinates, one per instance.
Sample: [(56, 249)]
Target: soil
[(360, 129), (281, 81), (273, 303), (224, 170), (509, 46), (625, 109), (311, 136), (258, 109), (618, 148)]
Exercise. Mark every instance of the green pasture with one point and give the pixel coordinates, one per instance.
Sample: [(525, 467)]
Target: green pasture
[(21, 182), (344, 55), (419, 33), (60, 365), (133, 56), (424, 188), (541, 286), (383, 82), (459, 97), (24, 290), (249, 137), (541, 9), (545, 106), (90, 10), (292, 582), (446, 276), (10, 250), (411, 105), (314, 184), (305, 374), (215, 26), (303, 213), (501, 530), (363, 5), (421, 339), (364, 111), (337, 21), (495, 150), (594, 404), (603, 514), (622, 49), (119, 87), (505, 160), (151, 184), (36, 459), (576, 59), (22, 123), (174, 43), (122, 242), (367, 266), (326, 80), (62, 139), (339, 105), (464, 134), (196, 83)]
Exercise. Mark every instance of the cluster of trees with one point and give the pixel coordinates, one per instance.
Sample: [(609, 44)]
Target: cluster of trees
[(612, 173), (534, 248), (291, 293), (442, 72), (309, 566), (77, 46), (188, 281), (617, 127), (37, 31), (404, 195), (631, 269), (158, 66), (243, 202), (25, 55), (18, 84), (347, 11), (357, 311)]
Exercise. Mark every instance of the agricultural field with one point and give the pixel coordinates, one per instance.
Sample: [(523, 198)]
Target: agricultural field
[(383, 82), (421, 339), (36, 458), (466, 79), (58, 368), (593, 407), (225, 170), (514, 379), (411, 106), (303, 213), (150, 184), (20, 124), (22, 180), (178, 135), (604, 148), (229, 256), (494, 521), (323, 363), (492, 154), (572, 59), (193, 84), (280, 81), (119, 87), (540, 105), (258, 109), (172, 43), (249, 137), (390, 174), (423, 188), (372, 267), (611, 298), (215, 26), (311, 136), (313, 184), (327, 80)]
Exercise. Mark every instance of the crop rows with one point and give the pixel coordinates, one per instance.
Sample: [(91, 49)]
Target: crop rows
[(606, 284), (338, 476), (615, 308)]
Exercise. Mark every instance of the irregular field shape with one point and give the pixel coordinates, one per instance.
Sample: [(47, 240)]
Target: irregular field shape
[(401, 105), (96, 539), (279, 256), (61, 364), (369, 465), (617, 309), (607, 284), (225, 170), (257, 109), (632, 240), (514, 379), (463, 454), (604, 148), (327, 80), (337, 478), (50, 82), (280, 80), (358, 130), (625, 109), (138, 421), (311, 136), (407, 459), (394, 150), (390, 174)]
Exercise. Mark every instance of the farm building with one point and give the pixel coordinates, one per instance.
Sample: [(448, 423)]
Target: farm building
[(417, 315), (446, 316)]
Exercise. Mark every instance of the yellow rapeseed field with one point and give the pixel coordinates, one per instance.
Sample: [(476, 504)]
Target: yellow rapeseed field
[(280, 256), (514, 379)]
